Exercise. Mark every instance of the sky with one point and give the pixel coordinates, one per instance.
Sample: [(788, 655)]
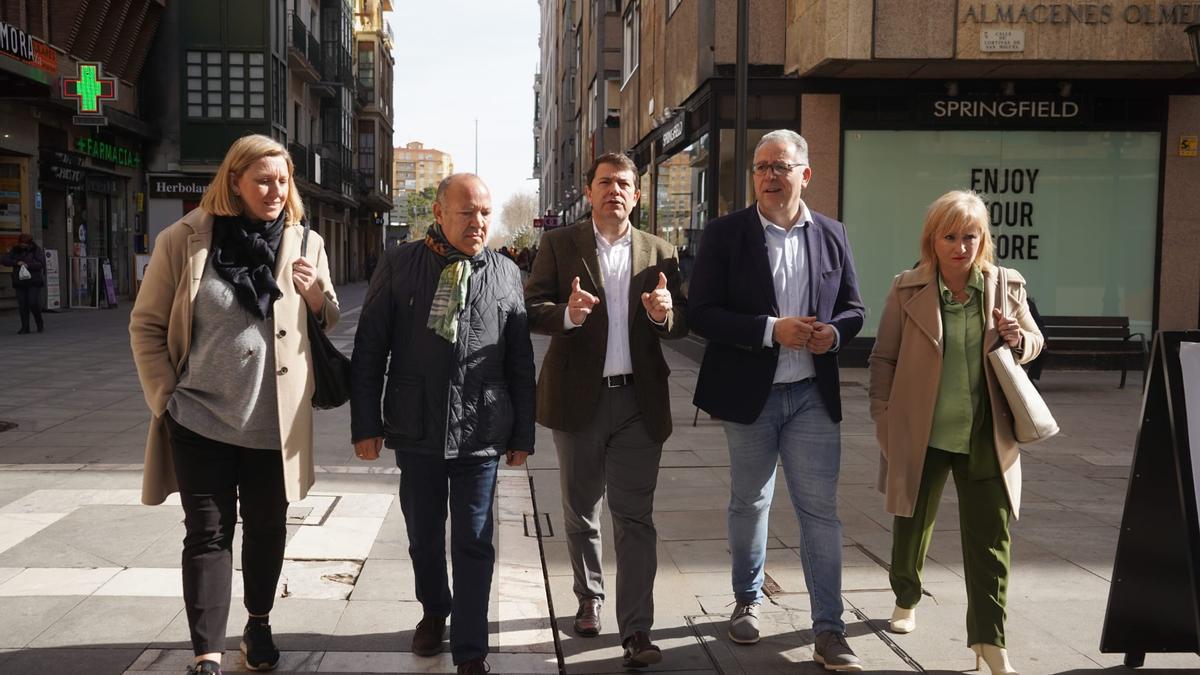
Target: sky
[(462, 60)]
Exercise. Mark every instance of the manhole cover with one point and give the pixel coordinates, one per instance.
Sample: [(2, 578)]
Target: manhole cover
[(5, 426)]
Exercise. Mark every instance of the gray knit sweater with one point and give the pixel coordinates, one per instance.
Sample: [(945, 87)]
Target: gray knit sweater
[(227, 391)]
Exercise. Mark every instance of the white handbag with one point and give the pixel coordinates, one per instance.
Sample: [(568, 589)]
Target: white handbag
[(24, 274), (1032, 421)]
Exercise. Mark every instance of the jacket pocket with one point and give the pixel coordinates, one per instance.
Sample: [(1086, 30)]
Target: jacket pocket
[(495, 414), (404, 408)]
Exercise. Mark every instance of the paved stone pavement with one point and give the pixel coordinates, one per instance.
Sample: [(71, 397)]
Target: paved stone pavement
[(89, 578)]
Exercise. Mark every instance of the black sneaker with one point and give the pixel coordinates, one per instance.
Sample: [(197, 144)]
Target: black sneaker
[(205, 667), (258, 647)]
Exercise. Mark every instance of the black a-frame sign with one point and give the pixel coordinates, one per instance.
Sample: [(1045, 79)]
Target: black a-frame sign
[(1154, 598)]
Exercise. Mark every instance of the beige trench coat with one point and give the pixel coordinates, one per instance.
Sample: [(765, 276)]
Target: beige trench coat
[(160, 331), (906, 367)]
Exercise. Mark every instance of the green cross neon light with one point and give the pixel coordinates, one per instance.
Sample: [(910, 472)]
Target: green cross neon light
[(90, 89)]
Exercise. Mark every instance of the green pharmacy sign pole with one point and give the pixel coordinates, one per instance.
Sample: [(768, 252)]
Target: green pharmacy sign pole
[(90, 89)]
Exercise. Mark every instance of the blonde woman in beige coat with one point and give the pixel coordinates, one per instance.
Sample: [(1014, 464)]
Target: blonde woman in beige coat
[(938, 410), (219, 336)]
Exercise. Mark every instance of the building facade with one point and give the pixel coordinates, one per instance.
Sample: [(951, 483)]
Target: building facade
[(73, 141), (414, 169), (1076, 122), (285, 69)]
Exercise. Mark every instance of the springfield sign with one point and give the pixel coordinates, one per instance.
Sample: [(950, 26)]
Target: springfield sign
[(1085, 13)]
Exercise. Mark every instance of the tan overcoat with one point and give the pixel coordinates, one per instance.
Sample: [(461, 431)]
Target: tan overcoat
[(160, 331), (905, 368)]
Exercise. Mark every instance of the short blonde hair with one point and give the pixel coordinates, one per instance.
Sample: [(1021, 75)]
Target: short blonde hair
[(956, 211), (219, 199)]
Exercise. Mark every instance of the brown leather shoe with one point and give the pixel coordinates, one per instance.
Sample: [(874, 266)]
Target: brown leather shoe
[(477, 666), (587, 619), (639, 651), (427, 640)]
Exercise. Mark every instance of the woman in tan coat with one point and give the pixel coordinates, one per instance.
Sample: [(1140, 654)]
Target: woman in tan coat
[(938, 410), (219, 336)]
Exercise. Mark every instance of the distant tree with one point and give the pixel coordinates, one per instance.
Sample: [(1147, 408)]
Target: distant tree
[(420, 212), (516, 219)]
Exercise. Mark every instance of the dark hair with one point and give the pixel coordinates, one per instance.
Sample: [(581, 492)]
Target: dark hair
[(612, 158)]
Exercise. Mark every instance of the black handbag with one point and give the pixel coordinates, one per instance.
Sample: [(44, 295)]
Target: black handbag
[(331, 368)]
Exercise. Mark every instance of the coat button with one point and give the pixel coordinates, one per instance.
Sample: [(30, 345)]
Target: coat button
[(282, 371), (281, 333)]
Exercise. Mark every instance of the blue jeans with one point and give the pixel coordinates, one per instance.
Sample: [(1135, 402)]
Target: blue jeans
[(794, 426), (426, 483)]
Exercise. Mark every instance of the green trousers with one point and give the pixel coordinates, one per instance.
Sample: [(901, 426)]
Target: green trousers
[(983, 514)]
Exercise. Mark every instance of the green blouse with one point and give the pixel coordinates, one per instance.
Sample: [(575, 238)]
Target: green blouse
[(962, 415)]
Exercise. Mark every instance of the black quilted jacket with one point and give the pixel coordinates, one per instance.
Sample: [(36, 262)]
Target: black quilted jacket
[(471, 399)]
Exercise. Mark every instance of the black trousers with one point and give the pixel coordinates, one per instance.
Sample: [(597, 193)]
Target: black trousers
[(29, 300), (213, 477)]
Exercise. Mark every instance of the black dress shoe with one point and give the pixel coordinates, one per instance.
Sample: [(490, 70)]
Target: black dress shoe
[(258, 647), (477, 666), (23, 331), (640, 652), (587, 619), (427, 640)]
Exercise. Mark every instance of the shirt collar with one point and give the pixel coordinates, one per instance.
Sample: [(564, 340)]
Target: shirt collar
[(601, 242), (974, 282), (803, 221)]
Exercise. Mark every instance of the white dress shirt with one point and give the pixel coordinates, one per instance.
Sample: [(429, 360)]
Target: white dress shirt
[(615, 269), (787, 255)]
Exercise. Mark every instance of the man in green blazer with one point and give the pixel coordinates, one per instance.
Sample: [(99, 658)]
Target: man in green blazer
[(608, 294)]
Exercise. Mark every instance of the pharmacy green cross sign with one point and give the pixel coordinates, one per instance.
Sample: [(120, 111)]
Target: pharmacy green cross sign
[(89, 89)]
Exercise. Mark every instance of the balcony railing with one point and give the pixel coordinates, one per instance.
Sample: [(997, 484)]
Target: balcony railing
[(304, 42), (331, 175)]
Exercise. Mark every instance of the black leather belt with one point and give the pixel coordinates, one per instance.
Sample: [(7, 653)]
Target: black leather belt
[(613, 381)]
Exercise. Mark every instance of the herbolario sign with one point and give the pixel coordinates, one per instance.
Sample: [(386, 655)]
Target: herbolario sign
[(1083, 13)]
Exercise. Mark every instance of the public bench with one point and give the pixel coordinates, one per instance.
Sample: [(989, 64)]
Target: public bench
[(1096, 337)]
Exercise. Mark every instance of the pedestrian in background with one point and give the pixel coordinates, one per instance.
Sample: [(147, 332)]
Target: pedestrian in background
[(28, 263), (938, 410), (775, 293), (444, 319), (609, 294), (219, 336)]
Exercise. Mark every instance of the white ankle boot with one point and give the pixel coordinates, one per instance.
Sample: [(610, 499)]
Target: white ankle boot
[(903, 620), (995, 657)]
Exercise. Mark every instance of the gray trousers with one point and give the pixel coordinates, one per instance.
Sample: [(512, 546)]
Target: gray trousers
[(615, 452)]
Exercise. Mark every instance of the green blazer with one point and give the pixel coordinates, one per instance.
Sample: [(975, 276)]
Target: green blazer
[(568, 388)]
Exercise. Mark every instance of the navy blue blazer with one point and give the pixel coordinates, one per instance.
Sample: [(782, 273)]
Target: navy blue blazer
[(731, 294)]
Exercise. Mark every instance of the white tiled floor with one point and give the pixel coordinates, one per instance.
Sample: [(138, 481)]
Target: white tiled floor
[(58, 581)]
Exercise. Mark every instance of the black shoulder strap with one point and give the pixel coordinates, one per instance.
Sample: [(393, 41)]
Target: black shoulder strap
[(304, 241)]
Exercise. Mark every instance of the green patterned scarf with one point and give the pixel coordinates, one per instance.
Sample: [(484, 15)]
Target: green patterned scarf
[(451, 294)]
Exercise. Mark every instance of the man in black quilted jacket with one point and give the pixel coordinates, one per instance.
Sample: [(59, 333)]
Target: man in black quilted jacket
[(445, 317)]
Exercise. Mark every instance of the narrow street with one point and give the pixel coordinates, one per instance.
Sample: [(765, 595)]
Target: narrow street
[(89, 578)]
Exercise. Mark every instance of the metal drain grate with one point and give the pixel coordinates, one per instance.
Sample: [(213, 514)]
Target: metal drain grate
[(5, 426)]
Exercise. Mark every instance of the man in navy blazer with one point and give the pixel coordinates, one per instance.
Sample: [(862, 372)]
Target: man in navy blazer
[(775, 293)]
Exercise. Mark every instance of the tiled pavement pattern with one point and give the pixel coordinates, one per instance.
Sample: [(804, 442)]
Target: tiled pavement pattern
[(89, 578)]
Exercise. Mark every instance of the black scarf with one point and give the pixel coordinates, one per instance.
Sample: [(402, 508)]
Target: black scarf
[(243, 253)]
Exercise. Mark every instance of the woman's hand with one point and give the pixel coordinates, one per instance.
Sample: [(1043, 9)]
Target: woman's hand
[(1008, 328), (304, 276)]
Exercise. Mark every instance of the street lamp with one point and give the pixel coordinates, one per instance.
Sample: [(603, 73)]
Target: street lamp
[(1193, 33)]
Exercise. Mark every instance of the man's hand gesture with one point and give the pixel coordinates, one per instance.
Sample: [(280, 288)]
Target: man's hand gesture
[(580, 304), (658, 302), (822, 338)]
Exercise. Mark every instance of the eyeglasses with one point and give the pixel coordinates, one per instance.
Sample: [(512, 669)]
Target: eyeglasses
[(777, 168)]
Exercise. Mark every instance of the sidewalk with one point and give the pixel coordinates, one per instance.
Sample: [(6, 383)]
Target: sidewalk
[(89, 578)]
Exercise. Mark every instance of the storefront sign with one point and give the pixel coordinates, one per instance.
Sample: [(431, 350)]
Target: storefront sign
[(674, 134), (90, 89), (1187, 146), (109, 153), (53, 293), (102, 185), (178, 187), (1084, 14), (62, 167), (1007, 109), (1002, 40), (16, 42)]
